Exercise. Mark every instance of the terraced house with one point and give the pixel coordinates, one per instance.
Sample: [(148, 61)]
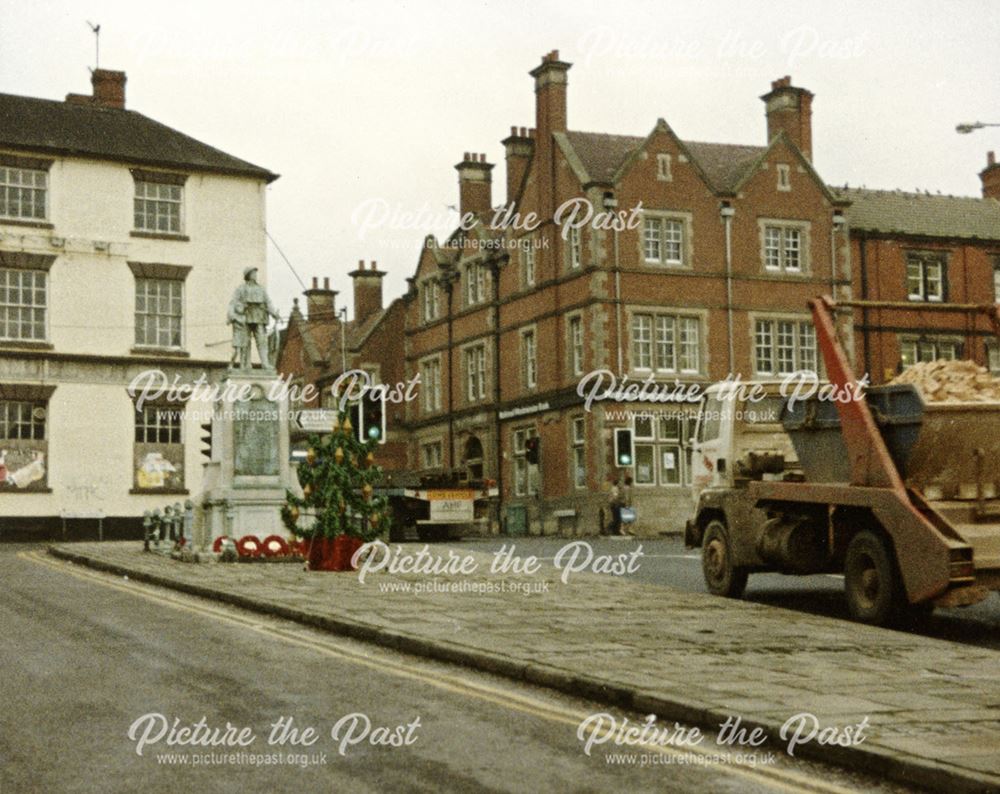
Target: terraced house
[(720, 247), (925, 252), (121, 241)]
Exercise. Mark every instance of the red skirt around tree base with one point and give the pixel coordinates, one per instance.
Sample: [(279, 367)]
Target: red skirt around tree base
[(332, 554)]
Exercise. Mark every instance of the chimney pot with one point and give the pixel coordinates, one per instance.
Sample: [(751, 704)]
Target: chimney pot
[(326, 282), (315, 283), (361, 264), (990, 177), (374, 265)]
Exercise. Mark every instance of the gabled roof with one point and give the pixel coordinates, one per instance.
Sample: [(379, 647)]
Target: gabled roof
[(725, 164), (602, 155), (86, 130), (922, 214)]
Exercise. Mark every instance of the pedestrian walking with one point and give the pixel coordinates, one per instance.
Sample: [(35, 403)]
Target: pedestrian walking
[(615, 503)]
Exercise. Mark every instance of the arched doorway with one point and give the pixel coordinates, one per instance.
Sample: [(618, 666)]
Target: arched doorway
[(472, 458)]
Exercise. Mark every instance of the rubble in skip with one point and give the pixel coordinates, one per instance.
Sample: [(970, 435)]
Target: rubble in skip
[(952, 381)]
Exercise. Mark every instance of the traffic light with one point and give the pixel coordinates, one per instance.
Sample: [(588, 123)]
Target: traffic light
[(354, 414), (206, 439), (531, 449), (372, 419), (624, 455)]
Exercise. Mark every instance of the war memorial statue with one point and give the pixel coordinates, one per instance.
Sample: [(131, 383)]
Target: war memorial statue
[(249, 313)]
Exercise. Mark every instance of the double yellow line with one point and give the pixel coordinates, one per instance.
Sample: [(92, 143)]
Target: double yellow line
[(773, 776)]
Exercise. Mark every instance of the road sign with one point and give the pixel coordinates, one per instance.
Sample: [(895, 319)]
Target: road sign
[(316, 420)]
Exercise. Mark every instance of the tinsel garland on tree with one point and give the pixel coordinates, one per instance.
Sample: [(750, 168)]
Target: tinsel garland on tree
[(338, 478)]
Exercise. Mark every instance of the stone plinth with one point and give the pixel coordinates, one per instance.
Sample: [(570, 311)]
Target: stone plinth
[(245, 482)]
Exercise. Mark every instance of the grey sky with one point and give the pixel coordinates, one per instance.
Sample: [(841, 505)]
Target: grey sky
[(356, 102)]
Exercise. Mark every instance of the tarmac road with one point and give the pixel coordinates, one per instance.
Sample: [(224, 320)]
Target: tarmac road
[(86, 656), (666, 561)]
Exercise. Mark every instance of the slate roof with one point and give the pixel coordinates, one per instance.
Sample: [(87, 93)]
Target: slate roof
[(44, 125), (725, 164), (922, 214)]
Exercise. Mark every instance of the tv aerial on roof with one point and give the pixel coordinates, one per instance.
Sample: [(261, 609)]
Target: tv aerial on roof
[(97, 43)]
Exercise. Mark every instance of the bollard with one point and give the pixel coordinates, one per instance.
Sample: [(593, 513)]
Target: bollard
[(189, 524), (178, 523), (147, 526), (157, 527)]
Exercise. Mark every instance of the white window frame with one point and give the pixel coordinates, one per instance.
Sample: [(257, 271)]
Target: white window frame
[(21, 186), (23, 420), (529, 357), (575, 344), (574, 248), (428, 446), (430, 300), (660, 342), (788, 257), (141, 328), (474, 362), (777, 340), (163, 196), (525, 474), (928, 348), (475, 284), (918, 288), (23, 314), (578, 459), (993, 356), (430, 378), (665, 239), (528, 261)]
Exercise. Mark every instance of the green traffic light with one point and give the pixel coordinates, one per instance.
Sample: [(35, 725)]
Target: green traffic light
[(374, 432)]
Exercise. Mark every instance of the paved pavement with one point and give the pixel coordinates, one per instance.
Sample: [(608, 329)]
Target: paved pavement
[(667, 562), (86, 654), (932, 707)]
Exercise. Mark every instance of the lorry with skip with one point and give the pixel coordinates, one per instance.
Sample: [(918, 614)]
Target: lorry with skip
[(898, 493)]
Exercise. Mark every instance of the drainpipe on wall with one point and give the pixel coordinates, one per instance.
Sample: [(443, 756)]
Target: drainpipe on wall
[(839, 223), (863, 245), (496, 263), (727, 212), (447, 281), (610, 202)]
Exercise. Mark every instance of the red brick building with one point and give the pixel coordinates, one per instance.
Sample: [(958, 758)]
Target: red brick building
[(696, 263), (924, 251), (319, 345), (726, 243)]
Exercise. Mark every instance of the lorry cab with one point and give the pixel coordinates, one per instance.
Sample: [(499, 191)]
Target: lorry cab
[(739, 437)]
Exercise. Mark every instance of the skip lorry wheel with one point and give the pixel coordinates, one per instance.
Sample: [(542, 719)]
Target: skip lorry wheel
[(873, 588), (721, 576)]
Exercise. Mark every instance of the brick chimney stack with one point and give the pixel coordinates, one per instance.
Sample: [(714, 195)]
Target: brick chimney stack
[(321, 301), (990, 177), (475, 185), (367, 291), (550, 116), (790, 109), (519, 147), (109, 90)]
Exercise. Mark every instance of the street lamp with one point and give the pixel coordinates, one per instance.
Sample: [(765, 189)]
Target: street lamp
[(965, 129)]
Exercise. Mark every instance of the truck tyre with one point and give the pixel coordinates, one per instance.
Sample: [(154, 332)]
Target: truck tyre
[(721, 576), (872, 585)]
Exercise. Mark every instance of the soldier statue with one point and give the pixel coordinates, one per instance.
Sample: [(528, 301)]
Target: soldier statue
[(249, 313)]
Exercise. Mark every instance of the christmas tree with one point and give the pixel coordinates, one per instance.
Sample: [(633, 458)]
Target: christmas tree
[(338, 478)]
